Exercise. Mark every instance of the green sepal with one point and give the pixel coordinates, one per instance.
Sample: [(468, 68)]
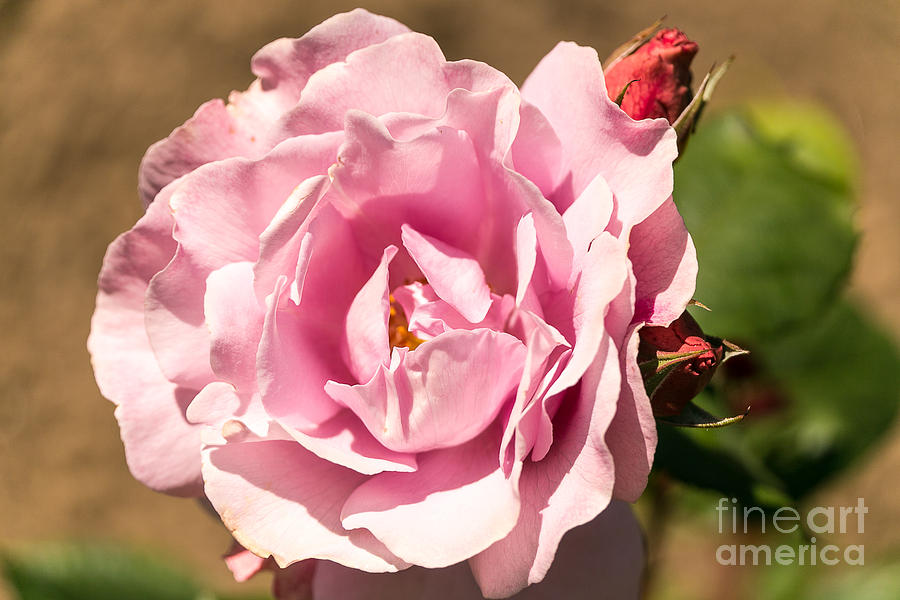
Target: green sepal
[(621, 95), (686, 122), (629, 47), (694, 416), (655, 371)]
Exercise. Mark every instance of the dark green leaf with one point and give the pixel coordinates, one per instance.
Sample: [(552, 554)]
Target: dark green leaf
[(768, 200), (841, 377)]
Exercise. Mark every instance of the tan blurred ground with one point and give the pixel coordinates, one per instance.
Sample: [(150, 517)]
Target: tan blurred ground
[(87, 85)]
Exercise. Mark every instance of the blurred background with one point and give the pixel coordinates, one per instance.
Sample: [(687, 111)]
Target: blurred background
[(88, 85)]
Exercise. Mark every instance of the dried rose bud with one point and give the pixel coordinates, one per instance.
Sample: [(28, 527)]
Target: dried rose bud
[(677, 362), (661, 72)]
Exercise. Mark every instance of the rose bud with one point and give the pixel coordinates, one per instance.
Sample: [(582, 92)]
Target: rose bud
[(660, 76), (677, 362)]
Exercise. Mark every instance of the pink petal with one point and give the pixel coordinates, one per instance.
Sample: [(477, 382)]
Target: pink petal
[(282, 242), (285, 65), (217, 132), (601, 279), (235, 320), (429, 316), (370, 81), (220, 211), (328, 292), (292, 367), (366, 341), (602, 560), (432, 183), (456, 504), (175, 323), (526, 256), (280, 500), (665, 265), (344, 440), (454, 275), (635, 157), (569, 487), (536, 152), (543, 362), (442, 185), (441, 395), (588, 217), (213, 133), (214, 404), (242, 563), (415, 583), (165, 456), (632, 434)]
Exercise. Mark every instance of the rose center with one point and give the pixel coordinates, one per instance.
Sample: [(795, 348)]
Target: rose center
[(398, 328)]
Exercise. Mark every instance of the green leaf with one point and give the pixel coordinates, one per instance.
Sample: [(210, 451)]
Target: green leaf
[(768, 201), (83, 571), (699, 459), (794, 582), (841, 377)]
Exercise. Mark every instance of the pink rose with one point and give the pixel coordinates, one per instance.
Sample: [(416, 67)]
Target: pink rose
[(382, 310)]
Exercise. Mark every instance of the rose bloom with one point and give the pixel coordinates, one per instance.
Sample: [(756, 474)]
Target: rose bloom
[(382, 312)]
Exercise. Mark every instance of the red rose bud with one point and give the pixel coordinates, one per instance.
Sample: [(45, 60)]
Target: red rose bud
[(677, 362), (661, 72)]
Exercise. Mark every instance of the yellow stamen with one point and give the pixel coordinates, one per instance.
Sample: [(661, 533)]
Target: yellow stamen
[(398, 328)]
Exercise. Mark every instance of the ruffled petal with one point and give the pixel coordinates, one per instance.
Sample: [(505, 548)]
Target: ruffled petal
[(602, 560), (217, 131), (366, 341), (370, 81), (632, 435), (344, 440), (220, 211), (454, 275), (432, 183), (441, 395), (284, 245), (587, 218), (292, 367), (604, 273), (457, 503), (280, 500), (165, 456), (665, 265), (569, 487), (234, 318), (597, 137)]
